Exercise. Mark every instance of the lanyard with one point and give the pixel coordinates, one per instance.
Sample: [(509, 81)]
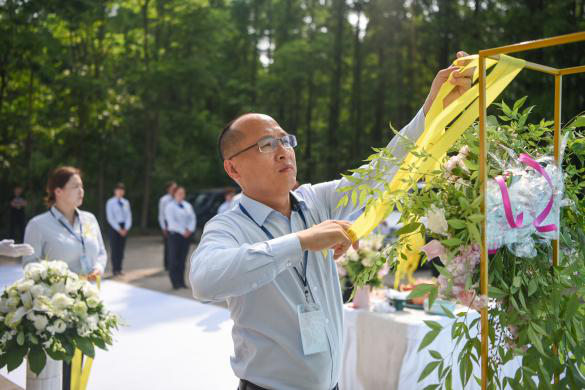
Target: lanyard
[(303, 276), (80, 238)]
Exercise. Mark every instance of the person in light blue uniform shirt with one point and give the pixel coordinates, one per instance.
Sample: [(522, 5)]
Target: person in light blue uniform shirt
[(162, 220), (67, 233), (181, 223), (272, 257), (119, 216)]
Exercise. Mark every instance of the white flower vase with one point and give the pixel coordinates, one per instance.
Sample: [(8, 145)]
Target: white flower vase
[(361, 299), (50, 378)]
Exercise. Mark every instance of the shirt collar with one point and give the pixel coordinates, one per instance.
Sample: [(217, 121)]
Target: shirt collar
[(60, 215), (259, 211)]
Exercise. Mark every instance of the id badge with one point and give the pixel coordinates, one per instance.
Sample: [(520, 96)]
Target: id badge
[(312, 325), (86, 265)]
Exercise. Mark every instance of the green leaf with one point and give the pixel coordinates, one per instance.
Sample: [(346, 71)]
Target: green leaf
[(434, 325), (435, 354), (20, 338), (572, 307), (535, 340), (409, 228), (15, 356), (447, 312), (37, 359), (428, 339), (456, 223), (451, 242), (85, 346), (494, 292), (420, 291), (427, 370), (579, 121), (532, 287)]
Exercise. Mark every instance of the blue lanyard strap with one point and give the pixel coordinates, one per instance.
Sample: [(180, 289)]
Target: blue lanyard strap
[(80, 238), (303, 276)]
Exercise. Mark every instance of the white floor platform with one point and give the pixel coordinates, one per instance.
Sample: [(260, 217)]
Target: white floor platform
[(169, 343)]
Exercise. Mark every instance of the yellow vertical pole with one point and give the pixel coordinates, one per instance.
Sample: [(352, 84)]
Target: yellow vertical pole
[(483, 166), (557, 145), (557, 148)]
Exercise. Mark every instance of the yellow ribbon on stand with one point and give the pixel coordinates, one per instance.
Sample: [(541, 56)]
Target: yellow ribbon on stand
[(79, 373), (436, 140)]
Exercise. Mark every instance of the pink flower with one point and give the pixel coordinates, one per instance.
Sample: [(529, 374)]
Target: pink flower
[(434, 249)]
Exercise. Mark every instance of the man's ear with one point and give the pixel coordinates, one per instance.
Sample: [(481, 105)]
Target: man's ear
[(231, 170)]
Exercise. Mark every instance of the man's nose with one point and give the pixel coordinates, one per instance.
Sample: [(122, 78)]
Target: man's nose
[(281, 151)]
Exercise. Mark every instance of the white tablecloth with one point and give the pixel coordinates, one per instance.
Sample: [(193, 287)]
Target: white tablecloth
[(380, 351)]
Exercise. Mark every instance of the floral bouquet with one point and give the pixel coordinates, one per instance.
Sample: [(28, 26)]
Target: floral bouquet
[(367, 257), (536, 311), (51, 311)]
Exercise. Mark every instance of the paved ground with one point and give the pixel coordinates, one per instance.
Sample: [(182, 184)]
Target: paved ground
[(143, 266)]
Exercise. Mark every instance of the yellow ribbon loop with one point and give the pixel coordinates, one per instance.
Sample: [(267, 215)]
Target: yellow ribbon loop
[(436, 139), (80, 372)]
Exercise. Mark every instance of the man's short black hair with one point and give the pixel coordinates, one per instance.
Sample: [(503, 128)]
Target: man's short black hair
[(228, 137)]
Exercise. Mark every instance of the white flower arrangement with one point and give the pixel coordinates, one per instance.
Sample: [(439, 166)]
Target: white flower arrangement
[(51, 311)]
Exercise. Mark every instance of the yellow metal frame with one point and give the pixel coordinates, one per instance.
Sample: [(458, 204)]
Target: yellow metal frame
[(558, 75)]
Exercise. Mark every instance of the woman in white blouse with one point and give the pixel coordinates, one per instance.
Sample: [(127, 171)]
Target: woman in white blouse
[(64, 232), (181, 222)]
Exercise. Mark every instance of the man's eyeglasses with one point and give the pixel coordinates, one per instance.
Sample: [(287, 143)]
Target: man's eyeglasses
[(269, 144)]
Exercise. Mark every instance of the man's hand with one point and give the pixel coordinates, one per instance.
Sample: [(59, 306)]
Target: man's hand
[(330, 234), (187, 233), (10, 249), (165, 233), (461, 80), (123, 232)]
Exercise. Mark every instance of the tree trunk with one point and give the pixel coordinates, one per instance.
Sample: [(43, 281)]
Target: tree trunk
[(335, 104), (380, 97), (356, 95)]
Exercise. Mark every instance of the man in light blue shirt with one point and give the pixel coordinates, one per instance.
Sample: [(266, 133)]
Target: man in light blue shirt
[(119, 216), (162, 219), (272, 257)]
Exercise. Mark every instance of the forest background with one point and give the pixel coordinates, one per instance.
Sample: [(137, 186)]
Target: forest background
[(138, 90)]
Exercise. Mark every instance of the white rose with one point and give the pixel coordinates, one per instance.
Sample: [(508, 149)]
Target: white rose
[(59, 326), (13, 319), (89, 290), (26, 299), (42, 303), (92, 302), (72, 285), (436, 221), (80, 309), (92, 322), (58, 288), (83, 330), (40, 322), (58, 267), (39, 289), (33, 271), (61, 301), (4, 305), (13, 302)]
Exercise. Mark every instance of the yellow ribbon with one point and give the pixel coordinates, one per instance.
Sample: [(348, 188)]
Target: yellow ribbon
[(79, 373), (436, 140)]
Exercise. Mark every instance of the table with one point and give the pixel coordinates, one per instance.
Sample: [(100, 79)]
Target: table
[(380, 350)]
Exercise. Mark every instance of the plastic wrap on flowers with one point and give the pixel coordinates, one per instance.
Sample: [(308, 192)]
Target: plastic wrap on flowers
[(524, 204)]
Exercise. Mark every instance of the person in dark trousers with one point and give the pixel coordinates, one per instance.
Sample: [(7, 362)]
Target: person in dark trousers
[(181, 222), (162, 220), (119, 217), (17, 215)]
